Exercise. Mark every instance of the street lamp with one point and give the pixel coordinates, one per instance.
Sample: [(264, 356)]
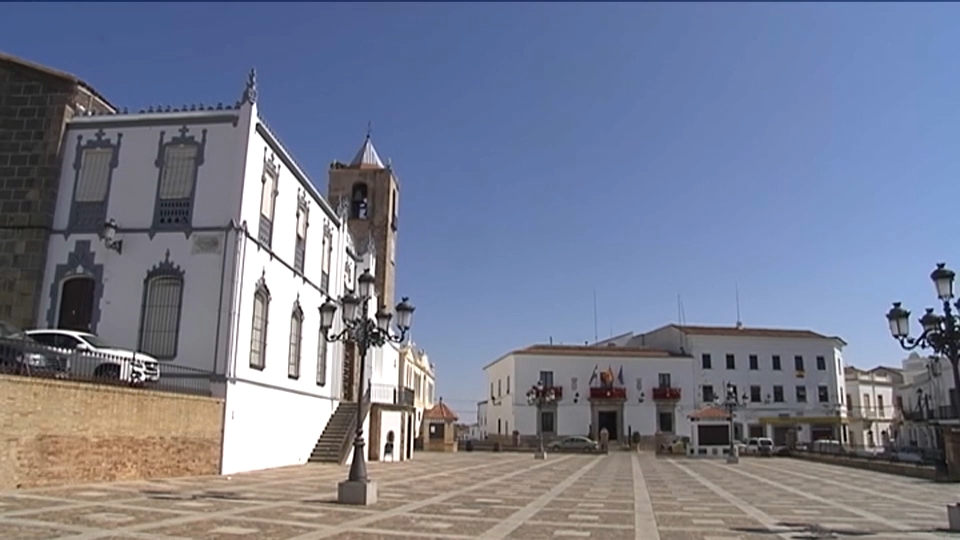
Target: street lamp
[(941, 334), (367, 333), (541, 395), (731, 403)]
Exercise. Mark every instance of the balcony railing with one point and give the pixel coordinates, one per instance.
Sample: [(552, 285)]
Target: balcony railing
[(388, 394), (557, 391), (608, 393), (926, 415), (666, 394)]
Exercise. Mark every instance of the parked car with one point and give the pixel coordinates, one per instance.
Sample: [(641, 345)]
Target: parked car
[(574, 444), (21, 354), (91, 356)]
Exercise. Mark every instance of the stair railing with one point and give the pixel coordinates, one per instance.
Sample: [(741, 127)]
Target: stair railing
[(363, 409)]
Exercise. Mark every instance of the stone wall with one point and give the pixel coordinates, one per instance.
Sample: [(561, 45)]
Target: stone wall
[(62, 432), (877, 465), (34, 108)]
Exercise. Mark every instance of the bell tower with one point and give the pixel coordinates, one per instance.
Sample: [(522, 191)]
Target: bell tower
[(371, 192)]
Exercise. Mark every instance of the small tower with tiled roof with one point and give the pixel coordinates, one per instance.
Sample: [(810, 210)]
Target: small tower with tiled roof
[(370, 192), (439, 426)]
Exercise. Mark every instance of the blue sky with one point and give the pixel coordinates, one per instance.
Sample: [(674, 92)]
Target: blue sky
[(806, 152)]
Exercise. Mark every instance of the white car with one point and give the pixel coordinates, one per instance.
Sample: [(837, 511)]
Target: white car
[(93, 357)]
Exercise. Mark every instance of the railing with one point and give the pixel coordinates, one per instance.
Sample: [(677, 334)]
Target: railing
[(666, 394), (926, 415), (608, 393), (25, 357), (391, 395), (362, 411)]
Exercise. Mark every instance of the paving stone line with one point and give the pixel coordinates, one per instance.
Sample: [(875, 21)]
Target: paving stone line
[(507, 526), (848, 485), (350, 525), (838, 505), (94, 534), (645, 521), (765, 519)]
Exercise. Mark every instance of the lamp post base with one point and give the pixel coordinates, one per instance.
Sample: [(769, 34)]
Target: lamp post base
[(357, 492), (540, 454)]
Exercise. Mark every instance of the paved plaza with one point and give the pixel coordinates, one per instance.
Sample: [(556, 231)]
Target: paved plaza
[(494, 496)]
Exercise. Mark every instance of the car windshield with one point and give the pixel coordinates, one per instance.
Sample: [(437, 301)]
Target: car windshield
[(766, 442), (94, 341)]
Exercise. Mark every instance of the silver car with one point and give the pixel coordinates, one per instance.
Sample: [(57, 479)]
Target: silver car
[(574, 444)]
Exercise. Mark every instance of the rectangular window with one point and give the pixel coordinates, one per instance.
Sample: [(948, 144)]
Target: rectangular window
[(179, 171), (798, 363), (731, 361), (508, 385), (663, 380), (776, 362), (546, 377), (293, 354), (801, 394), (268, 203), (300, 248), (258, 333), (499, 387), (849, 405), (754, 362), (755, 394), (322, 360), (823, 394), (94, 179), (327, 260), (491, 391), (708, 395), (882, 413), (821, 363), (705, 361), (778, 394), (665, 421), (161, 316), (866, 403)]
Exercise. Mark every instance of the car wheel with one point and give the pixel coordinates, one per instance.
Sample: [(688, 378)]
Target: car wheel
[(107, 371)]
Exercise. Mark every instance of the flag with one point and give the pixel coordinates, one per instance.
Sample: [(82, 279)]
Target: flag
[(596, 374), (620, 376)]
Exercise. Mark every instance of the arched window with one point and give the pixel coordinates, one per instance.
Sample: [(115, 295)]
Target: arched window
[(322, 359), (359, 201), (296, 339), (161, 310), (258, 330)]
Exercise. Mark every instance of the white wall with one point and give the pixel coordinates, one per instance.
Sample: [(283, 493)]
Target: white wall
[(500, 405), (266, 428), (391, 421)]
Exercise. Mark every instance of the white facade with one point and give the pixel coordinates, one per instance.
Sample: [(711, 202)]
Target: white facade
[(583, 408), (792, 379), (871, 407), (482, 426), (923, 400), (417, 374), (227, 252)]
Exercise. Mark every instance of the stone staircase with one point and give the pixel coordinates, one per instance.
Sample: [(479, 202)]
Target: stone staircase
[(331, 445)]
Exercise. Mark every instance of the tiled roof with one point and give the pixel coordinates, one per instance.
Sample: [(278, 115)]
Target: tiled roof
[(367, 157), (750, 332), (710, 412), (440, 411), (590, 350), (4, 57)]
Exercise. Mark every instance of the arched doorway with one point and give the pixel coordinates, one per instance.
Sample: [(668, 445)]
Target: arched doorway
[(76, 303)]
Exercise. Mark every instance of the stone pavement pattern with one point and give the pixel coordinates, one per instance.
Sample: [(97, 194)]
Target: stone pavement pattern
[(496, 496)]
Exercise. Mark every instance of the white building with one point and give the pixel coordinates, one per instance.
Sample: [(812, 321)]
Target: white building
[(417, 374), (870, 405), (923, 401), (224, 250), (482, 419), (618, 388), (792, 379)]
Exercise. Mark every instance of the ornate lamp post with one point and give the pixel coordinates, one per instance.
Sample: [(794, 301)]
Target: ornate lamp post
[(941, 333), (731, 403), (541, 395), (367, 333)]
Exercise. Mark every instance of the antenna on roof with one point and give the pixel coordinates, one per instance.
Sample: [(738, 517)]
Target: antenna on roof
[(369, 128), (737, 292), (596, 333)]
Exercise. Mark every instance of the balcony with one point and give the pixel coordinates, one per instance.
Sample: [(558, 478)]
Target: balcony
[(608, 393), (666, 393), (387, 394), (557, 391)]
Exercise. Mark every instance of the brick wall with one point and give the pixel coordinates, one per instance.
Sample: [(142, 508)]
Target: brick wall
[(34, 108), (61, 432)]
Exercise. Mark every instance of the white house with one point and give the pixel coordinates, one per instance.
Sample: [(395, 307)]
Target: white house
[(622, 389), (224, 250), (417, 374), (870, 405), (482, 419), (792, 379), (923, 401)]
